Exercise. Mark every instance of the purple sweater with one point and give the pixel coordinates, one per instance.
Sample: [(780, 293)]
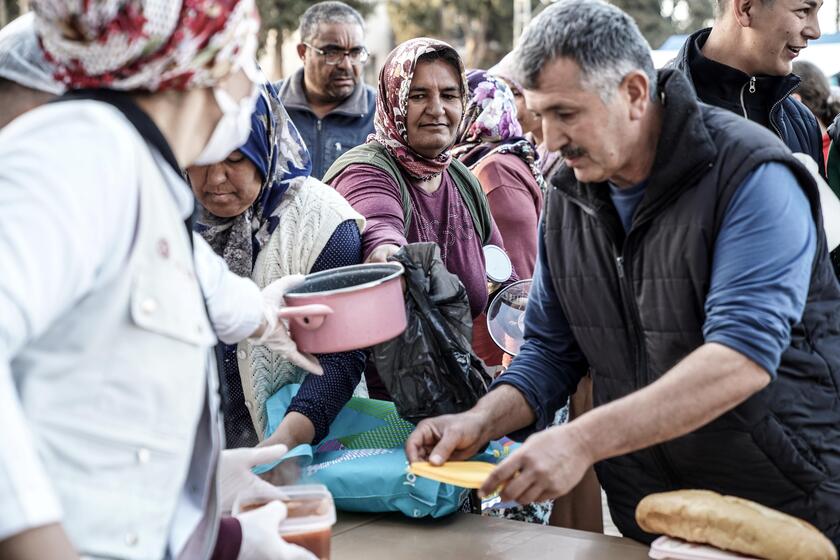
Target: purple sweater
[(440, 217)]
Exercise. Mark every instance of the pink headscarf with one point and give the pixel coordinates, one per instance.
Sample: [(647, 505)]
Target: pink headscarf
[(150, 45), (392, 107)]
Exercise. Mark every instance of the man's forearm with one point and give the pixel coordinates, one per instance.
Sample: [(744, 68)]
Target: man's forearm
[(503, 410), (49, 541), (709, 382)]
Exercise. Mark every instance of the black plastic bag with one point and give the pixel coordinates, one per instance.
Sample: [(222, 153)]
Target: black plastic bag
[(430, 369)]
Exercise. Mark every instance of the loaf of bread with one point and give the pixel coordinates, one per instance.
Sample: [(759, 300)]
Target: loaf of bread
[(733, 524)]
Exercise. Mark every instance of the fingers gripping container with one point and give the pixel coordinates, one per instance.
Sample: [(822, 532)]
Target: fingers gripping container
[(309, 519)]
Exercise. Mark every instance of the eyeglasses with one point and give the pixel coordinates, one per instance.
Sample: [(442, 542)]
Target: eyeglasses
[(335, 55)]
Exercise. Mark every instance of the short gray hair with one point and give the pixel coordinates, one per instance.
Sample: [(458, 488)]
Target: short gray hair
[(604, 41), (327, 12)]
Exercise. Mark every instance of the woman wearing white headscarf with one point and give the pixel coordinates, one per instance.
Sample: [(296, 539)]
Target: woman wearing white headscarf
[(109, 305), (26, 79)]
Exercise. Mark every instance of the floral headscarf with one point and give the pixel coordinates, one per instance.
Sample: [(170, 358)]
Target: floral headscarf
[(281, 158), (490, 125), (147, 45), (506, 70), (392, 107)]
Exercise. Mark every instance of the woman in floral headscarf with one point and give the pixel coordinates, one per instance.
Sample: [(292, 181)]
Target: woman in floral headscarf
[(262, 212), (549, 161), (405, 181), (491, 144)]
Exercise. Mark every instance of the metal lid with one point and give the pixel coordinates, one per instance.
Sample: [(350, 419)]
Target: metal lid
[(497, 263), (506, 316)]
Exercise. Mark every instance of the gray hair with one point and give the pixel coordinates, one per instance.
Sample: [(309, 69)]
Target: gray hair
[(327, 12), (604, 41), (21, 60)]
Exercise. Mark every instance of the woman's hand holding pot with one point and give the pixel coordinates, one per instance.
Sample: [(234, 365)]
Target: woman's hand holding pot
[(274, 334), (382, 253)]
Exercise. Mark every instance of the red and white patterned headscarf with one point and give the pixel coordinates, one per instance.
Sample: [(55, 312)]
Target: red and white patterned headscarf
[(150, 45), (392, 106)]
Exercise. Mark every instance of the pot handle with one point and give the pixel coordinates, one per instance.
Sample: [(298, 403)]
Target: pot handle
[(309, 317)]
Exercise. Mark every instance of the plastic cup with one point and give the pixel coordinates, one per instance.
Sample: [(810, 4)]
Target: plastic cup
[(309, 519)]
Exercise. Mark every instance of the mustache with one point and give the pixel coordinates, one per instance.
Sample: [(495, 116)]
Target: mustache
[(572, 152)]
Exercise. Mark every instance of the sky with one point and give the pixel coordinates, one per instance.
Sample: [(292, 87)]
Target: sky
[(827, 16)]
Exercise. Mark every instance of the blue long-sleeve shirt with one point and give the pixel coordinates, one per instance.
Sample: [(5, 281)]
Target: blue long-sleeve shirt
[(761, 272), (320, 397)]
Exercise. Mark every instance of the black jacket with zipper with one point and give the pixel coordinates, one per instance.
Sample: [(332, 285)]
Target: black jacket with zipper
[(635, 303), (763, 99)]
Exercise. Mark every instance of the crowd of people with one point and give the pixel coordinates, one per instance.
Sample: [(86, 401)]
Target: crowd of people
[(159, 196)]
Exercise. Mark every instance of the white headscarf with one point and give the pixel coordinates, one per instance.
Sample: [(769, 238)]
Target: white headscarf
[(21, 58)]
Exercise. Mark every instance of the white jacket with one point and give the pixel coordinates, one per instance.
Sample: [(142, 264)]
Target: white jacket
[(110, 420)]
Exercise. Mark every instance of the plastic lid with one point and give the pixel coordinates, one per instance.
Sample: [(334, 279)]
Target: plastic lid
[(506, 316), (309, 507), (497, 264)]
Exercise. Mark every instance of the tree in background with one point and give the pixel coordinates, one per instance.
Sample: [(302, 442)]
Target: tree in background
[(10, 9), (481, 29), (659, 19)]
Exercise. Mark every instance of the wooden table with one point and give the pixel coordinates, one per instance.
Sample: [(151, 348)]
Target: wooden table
[(467, 537)]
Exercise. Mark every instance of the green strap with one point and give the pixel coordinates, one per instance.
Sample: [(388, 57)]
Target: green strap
[(375, 154)]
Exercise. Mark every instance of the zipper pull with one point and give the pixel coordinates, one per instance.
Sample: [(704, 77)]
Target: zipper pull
[(752, 84), (619, 261)]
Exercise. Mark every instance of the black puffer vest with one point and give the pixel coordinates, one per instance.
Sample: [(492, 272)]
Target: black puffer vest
[(635, 303)]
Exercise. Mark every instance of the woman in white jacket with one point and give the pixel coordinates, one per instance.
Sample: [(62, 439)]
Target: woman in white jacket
[(109, 305)]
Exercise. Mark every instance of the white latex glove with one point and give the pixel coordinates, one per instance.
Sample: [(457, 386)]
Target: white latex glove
[(276, 334), (260, 538), (235, 475)]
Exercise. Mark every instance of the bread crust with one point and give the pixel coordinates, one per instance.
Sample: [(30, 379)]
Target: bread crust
[(733, 524)]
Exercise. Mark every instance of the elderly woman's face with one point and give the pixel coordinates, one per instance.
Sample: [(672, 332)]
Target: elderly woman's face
[(228, 188), (434, 107)]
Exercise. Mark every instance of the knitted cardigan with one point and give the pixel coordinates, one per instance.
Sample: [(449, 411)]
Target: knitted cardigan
[(310, 213)]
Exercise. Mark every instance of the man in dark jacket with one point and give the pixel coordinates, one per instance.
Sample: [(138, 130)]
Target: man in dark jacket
[(326, 99), (682, 258), (745, 64)]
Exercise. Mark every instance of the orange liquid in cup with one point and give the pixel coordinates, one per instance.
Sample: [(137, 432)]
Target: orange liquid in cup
[(316, 541)]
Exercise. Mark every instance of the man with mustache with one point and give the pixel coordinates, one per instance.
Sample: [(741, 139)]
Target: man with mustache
[(326, 99), (744, 64), (682, 259)]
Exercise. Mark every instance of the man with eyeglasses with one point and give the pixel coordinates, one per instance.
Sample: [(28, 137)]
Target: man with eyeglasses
[(326, 99)]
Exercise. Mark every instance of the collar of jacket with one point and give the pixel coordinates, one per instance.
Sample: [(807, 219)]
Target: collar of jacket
[(293, 95), (724, 83), (684, 152)]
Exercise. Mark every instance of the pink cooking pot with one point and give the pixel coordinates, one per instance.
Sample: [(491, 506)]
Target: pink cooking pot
[(346, 308)]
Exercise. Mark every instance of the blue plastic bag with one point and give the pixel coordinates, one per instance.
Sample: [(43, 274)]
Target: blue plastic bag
[(363, 464)]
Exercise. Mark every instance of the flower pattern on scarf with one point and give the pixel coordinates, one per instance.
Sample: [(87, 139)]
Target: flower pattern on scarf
[(149, 45), (490, 125), (392, 107), (279, 154)]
